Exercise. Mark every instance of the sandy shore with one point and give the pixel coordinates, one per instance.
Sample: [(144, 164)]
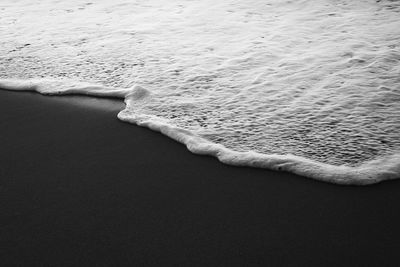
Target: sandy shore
[(79, 187)]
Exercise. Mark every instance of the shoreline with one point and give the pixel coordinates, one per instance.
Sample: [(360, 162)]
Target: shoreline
[(369, 172), (81, 187)]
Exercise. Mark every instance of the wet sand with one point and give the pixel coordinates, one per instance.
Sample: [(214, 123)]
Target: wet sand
[(79, 187)]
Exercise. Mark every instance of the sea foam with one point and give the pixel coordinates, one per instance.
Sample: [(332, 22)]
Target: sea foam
[(373, 171), (311, 87)]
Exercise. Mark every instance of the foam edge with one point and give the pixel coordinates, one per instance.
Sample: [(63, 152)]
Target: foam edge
[(368, 173)]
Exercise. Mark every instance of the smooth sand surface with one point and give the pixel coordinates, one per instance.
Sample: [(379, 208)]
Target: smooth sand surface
[(80, 188)]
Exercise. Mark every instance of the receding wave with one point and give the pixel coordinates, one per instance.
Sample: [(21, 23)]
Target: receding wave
[(307, 86)]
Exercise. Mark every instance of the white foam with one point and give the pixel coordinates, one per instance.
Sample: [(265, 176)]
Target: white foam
[(251, 82), (370, 172)]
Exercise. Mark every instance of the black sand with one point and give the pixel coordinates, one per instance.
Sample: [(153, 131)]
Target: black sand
[(80, 188)]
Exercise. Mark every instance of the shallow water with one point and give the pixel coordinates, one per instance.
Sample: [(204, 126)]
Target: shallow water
[(307, 86)]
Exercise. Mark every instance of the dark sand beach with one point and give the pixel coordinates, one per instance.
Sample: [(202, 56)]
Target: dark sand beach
[(78, 187)]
